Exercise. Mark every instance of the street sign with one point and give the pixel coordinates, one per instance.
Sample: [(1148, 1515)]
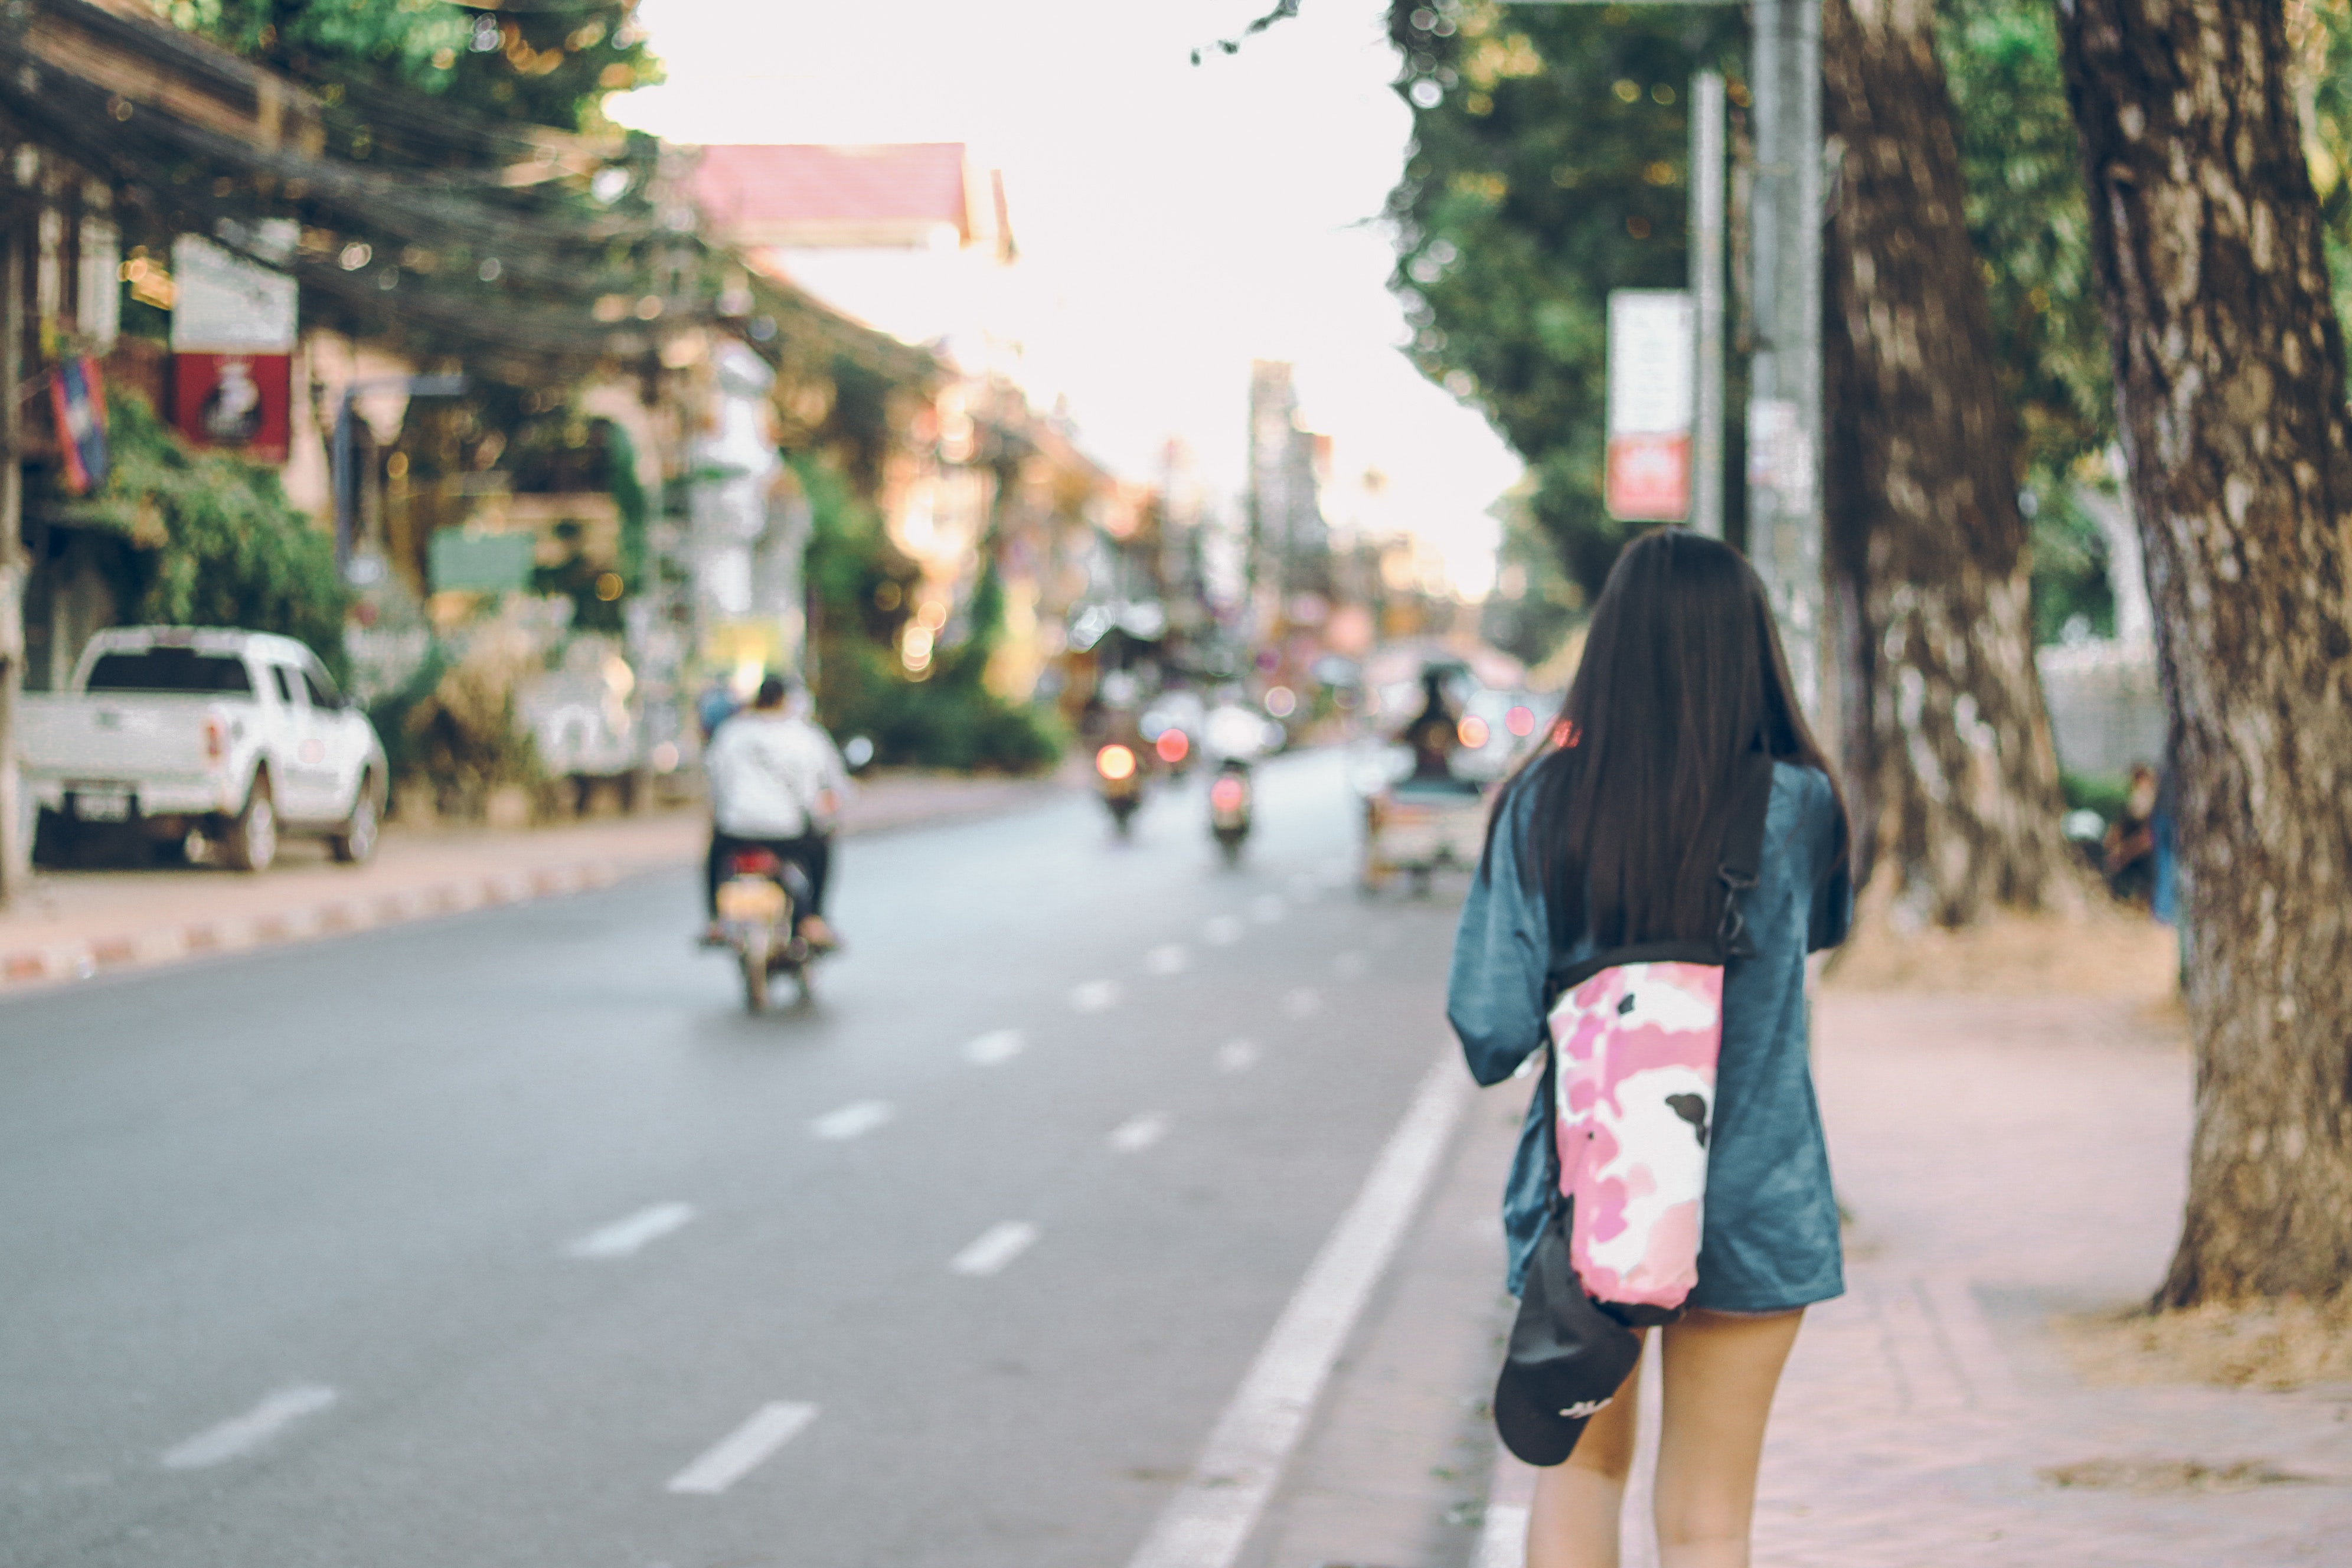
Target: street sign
[(1651, 353)]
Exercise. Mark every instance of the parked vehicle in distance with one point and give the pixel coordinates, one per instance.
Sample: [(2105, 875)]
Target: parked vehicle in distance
[(238, 736)]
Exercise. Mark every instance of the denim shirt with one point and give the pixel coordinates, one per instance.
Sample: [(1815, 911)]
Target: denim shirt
[(1771, 1240)]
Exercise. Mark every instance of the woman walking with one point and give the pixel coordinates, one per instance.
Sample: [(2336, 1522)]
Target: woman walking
[(1610, 839)]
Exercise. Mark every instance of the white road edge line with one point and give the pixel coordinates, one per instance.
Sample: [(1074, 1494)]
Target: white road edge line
[(1209, 1520), (994, 1248), (241, 1435), (741, 1451), (628, 1236), (853, 1121)]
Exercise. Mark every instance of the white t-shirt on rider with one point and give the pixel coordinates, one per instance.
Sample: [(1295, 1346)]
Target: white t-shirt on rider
[(769, 774)]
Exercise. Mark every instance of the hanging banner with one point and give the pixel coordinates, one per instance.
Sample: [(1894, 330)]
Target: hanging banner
[(1651, 351), (78, 398), (242, 402)]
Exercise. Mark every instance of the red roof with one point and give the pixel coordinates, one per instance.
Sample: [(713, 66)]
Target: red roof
[(805, 194)]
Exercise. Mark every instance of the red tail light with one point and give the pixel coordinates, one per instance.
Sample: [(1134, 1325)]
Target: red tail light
[(1171, 746), (216, 740), (1227, 794), (1521, 721), (754, 863)]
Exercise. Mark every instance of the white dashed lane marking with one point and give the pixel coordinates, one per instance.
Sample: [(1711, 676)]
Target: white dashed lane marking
[(996, 1046), (1172, 959), (1095, 996), (1236, 1056), (1303, 1003), (854, 1120), (994, 1248), (744, 1449), (626, 1236), (1138, 1133), (1223, 930), (1350, 965), (241, 1435)]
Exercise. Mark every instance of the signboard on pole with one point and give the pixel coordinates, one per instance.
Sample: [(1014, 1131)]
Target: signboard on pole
[(1651, 351)]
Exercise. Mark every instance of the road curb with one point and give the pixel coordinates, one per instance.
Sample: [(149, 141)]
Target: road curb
[(27, 968)]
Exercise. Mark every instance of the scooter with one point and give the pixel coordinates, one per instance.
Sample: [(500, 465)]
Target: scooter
[(757, 917), (1121, 775), (1230, 797)]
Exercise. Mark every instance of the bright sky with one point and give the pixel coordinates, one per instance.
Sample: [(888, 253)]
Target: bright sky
[(1175, 222)]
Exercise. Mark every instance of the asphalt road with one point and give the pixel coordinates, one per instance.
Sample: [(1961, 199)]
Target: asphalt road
[(509, 1238)]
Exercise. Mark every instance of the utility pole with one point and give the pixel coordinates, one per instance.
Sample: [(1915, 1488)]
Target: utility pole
[(1784, 398), (1706, 298)]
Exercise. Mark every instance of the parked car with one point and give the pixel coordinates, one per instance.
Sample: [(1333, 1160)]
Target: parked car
[(238, 736)]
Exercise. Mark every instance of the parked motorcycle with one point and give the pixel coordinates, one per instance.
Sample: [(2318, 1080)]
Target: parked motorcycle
[(759, 905), (1229, 799), (1120, 774)]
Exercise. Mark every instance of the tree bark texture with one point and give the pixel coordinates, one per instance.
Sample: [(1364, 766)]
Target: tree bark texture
[(2230, 384), (1948, 740)]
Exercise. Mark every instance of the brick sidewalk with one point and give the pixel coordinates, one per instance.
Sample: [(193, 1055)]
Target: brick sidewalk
[(78, 923), (2005, 1160)]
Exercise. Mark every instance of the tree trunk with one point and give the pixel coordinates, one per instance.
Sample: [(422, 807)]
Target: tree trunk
[(1948, 739), (2230, 384)]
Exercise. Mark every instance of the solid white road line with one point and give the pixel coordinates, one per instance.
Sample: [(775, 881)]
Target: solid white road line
[(994, 1248), (628, 1236), (853, 1121), (1223, 930), (1095, 996), (741, 1451), (995, 1047), (1138, 1133), (241, 1435), (1170, 959), (1236, 1056), (1209, 1520)]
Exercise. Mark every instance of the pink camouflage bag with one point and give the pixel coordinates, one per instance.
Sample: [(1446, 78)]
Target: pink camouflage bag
[(1636, 1034)]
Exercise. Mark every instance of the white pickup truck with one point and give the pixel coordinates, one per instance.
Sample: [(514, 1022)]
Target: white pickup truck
[(238, 736)]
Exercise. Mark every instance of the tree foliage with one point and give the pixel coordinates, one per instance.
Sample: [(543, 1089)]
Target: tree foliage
[(547, 65), (215, 542), (1550, 165)]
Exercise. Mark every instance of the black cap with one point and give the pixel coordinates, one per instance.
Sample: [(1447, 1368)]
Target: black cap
[(1567, 1358)]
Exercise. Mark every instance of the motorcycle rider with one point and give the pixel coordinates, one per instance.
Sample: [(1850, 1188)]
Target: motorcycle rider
[(777, 784), (1435, 731)]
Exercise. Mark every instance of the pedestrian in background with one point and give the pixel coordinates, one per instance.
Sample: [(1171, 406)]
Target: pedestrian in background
[(1609, 840)]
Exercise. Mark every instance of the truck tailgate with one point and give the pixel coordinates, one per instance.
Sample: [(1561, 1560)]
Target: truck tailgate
[(125, 739)]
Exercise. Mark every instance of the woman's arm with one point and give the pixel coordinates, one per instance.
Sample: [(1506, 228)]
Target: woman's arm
[(1495, 996), (1833, 910)]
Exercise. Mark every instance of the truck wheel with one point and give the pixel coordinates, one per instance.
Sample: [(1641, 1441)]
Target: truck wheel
[(354, 841), (251, 842)]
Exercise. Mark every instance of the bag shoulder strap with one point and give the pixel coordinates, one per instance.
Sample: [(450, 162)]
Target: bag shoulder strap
[(1743, 852)]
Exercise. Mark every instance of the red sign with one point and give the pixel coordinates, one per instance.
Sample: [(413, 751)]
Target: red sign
[(1649, 477), (242, 402)]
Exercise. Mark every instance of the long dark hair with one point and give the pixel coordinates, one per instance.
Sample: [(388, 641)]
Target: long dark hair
[(1682, 675)]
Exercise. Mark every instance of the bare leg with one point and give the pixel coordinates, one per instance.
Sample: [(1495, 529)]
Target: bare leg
[(1720, 1372), (1573, 1523)]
